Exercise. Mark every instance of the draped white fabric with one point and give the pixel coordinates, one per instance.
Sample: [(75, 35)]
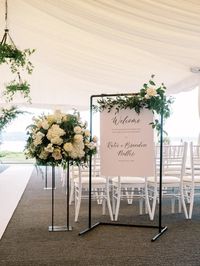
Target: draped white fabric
[(86, 47)]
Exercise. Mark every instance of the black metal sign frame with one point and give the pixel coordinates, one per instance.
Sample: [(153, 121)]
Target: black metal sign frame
[(161, 229)]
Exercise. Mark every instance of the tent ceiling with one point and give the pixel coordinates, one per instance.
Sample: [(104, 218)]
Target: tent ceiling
[(86, 47)]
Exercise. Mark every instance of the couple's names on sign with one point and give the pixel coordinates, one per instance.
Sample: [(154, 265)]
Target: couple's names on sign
[(127, 143)]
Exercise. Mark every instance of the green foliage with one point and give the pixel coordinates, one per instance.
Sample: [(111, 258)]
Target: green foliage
[(150, 96), (15, 58), (13, 87), (7, 115)]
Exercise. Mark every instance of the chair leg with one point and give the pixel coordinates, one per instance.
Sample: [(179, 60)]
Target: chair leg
[(155, 198), (129, 196), (104, 206), (77, 204), (183, 202), (140, 205), (191, 203), (173, 205), (179, 206), (147, 203), (118, 202), (71, 196), (113, 200), (108, 201)]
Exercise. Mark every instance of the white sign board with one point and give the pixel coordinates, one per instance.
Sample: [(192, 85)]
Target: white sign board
[(127, 143)]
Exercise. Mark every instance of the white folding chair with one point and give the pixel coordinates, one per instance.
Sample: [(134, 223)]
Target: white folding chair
[(74, 174), (191, 181), (100, 188), (174, 161), (130, 188)]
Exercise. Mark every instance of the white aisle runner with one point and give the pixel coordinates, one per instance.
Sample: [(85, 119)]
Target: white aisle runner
[(13, 182)]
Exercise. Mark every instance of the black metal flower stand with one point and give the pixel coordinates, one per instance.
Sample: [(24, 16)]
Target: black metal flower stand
[(52, 227)]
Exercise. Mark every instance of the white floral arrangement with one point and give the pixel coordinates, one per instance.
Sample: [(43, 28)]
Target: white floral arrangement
[(150, 96), (57, 138)]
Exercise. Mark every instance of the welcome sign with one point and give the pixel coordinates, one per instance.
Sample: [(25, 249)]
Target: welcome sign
[(127, 143)]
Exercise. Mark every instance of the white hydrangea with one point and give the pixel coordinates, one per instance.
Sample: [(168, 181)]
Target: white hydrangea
[(77, 151), (54, 132), (57, 141)]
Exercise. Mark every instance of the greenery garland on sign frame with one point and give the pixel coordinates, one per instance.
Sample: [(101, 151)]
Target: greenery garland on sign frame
[(150, 96)]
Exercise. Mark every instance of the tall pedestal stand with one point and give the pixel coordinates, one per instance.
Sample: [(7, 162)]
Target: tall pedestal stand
[(52, 227)]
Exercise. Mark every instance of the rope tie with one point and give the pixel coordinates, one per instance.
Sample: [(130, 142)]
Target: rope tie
[(6, 16)]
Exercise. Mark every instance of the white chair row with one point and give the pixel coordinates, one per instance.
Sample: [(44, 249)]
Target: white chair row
[(191, 181), (176, 184)]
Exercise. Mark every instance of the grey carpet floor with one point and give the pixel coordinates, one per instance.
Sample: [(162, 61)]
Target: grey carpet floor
[(28, 242)]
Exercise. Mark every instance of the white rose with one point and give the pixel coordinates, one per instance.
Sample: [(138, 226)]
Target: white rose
[(49, 148), (79, 148), (43, 155), (87, 133), (57, 141), (37, 141), (77, 130), (68, 147), (39, 135), (45, 124), (65, 117), (55, 131), (78, 138), (91, 145), (50, 119), (77, 151), (73, 154), (57, 154), (95, 139), (151, 91), (39, 124), (58, 116), (37, 138)]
